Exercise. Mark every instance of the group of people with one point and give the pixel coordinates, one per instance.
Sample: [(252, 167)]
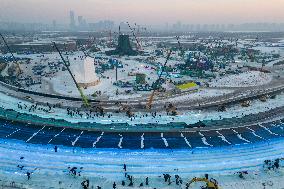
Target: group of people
[(74, 171), (167, 179), (129, 180), (33, 108), (27, 172), (271, 165), (86, 114)]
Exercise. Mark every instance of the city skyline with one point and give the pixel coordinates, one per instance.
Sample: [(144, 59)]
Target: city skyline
[(145, 12)]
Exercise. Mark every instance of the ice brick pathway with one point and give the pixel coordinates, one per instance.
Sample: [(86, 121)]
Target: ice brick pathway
[(103, 166)]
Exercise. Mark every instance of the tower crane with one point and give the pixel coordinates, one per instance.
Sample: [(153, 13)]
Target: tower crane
[(85, 53), (150, 101), (137, 41), (179, 45), (84, 98), (91, 41)]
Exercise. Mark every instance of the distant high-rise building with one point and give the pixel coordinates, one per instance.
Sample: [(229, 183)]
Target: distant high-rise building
[(72, 20), (198, 27), (205, 27), (80, 21), (177, 26), (54, 25)]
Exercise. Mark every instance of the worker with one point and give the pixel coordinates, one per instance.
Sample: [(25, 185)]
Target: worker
[(28, 175), (147, 181), (55, 148), (124, 167)]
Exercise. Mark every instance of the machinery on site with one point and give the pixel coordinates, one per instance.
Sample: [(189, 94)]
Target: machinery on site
[(210, 184), (16, 67), (180, 47), (245, 103), (84, 98), (127, 109), (135, 37), (263, 98), (171, 109), (156, 85), (222, 108)]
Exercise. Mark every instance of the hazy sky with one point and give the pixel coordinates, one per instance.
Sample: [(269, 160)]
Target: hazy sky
[(145, 11)]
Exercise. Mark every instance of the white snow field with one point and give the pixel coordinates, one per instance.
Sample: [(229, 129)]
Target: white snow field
[(105, 166), (246, 79), (189, 117), (201, 94)]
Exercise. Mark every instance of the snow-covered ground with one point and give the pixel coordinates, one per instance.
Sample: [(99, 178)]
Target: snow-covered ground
[(188, 117), (246, 79), (201, 94), (105, 166)]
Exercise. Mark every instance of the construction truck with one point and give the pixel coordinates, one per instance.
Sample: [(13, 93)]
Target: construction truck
[(263, 98), (245, 103), (127, 109), (171, 109)]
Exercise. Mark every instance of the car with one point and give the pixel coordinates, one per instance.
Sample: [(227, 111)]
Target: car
[(29, 98)]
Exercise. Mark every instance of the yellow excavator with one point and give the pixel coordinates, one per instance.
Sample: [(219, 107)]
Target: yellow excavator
[(210, 184)]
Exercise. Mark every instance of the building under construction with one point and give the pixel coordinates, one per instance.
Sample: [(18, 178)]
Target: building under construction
[(123, 47)]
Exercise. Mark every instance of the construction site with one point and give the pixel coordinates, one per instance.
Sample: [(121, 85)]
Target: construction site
[(135, 109)]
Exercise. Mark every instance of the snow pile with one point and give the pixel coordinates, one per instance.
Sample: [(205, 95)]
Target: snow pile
[(125, 97), (246, 79), (202, 94)]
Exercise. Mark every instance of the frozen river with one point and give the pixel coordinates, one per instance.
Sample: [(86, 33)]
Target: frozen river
[(103, 167)]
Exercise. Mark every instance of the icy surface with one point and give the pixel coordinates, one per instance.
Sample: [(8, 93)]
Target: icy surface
[(188, 117), (104, 166), (246, 79)]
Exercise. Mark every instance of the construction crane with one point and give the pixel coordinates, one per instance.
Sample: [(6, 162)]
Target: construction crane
[(85, 53), (82, 48), (91, 41), (15, 61), (84, 98), (179, 45), (137, 41), (150, 101), (210, 184)]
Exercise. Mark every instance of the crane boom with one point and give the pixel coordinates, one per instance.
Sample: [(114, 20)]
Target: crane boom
[(84, 51), (6, 44), (150, 101), (132, 31), (84, 98), (179, 45)]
